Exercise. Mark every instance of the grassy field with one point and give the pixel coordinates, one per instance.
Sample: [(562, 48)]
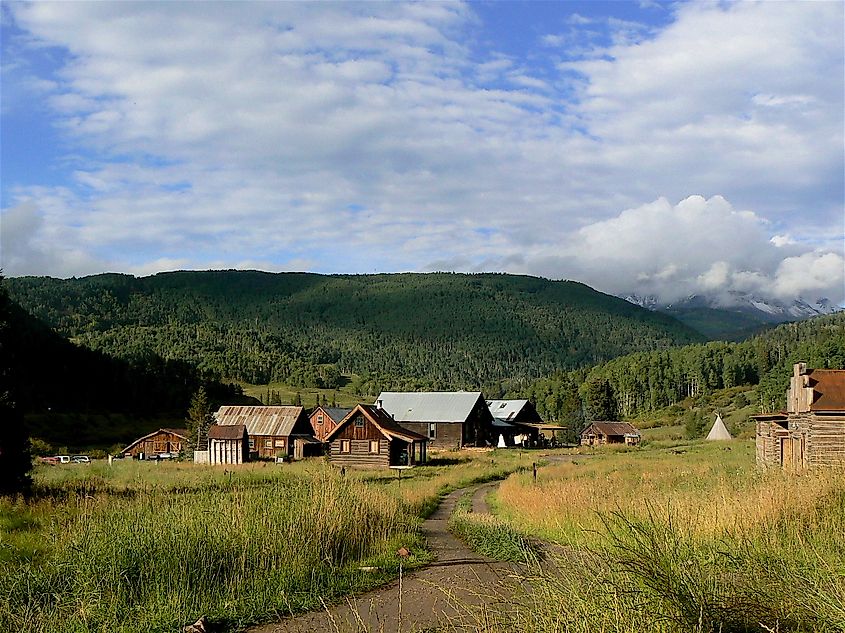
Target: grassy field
[(343, 396), (679, 537), (143, 546)]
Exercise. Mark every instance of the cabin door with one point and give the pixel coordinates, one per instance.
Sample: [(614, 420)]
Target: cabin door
[(787, 453)]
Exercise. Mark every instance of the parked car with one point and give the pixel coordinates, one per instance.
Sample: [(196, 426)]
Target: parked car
[(63, 459), (80, 459), (49, 460)]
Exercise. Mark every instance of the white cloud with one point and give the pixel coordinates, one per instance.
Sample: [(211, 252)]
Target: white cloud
[(360, 137)]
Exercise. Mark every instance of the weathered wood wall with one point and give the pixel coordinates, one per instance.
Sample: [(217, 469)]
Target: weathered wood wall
[(164, 442), (359, 455), (447, 434)]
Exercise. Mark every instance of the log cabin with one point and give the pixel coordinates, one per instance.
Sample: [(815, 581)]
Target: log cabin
[(274, 432), (368, 437), (228, 444), (448, 419), (168, 442), (601, 433), (811, 432), (324, 419)]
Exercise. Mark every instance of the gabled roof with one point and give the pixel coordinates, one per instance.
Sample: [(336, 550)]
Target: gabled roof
[(335, 413), (382, 420), (506, 409), (226, 432), (613, 428), (429, 406), (182, 433), (828, 389), (261, 420)]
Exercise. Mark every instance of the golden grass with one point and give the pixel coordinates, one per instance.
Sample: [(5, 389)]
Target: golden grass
[(711, 490)]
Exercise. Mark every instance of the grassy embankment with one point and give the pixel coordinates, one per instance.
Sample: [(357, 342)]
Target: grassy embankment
[(675, 538), (149, 547)]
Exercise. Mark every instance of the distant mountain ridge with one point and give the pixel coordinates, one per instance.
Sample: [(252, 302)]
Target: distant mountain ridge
[(735, 315), (434, 330)]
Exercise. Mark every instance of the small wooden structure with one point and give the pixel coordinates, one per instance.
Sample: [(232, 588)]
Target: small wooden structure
[(324, 419), (811, 432), (448, 419), (168, 442), (272, 431), (228, 444), (601, 433), (368, 437)]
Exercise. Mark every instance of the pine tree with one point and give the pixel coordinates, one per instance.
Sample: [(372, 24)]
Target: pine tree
[(198, 420), (297, 400)]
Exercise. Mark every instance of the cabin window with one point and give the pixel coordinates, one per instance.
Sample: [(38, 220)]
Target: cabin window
[(359, 422), (251, 444), (345, 446), (280, 443), (319, 418), (374, 446), (268, 443), (432, 430)]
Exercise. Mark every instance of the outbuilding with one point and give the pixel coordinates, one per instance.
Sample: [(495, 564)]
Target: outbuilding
[(169, 442), (272, 431), (228, 444), (325, 419), (601, 433)]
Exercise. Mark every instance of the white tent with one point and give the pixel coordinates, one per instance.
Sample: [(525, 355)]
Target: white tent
[(719, 430)]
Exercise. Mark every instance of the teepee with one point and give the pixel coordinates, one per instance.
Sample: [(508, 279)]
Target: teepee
[(719, 430)]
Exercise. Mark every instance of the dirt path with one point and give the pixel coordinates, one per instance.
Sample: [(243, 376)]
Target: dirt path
[(434, 595)]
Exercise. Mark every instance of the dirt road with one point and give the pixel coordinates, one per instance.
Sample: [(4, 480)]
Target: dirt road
[(432, 596)]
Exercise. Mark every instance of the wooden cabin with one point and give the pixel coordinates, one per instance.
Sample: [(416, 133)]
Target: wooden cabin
[(228, 444), (274, 432), (368, 437), (325, 419), (601, 433), (811, 432), (447, 419), (169, 442)]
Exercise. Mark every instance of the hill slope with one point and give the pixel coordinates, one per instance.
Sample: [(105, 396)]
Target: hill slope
[(401, 330)]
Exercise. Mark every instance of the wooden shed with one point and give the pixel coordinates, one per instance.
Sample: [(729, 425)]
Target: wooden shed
[(601, 433), (168, 442), (325, 419), (368, 437), (272, 431), (811, 432), (449, 419), (228, 444)]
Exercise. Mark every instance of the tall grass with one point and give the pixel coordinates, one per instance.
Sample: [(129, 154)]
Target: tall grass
[(673, 542)]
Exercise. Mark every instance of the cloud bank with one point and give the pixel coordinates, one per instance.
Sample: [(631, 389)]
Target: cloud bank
[(382, 137)]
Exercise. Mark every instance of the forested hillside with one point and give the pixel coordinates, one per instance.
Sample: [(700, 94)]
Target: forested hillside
[(435, 330), (80, 397), (642, 382)]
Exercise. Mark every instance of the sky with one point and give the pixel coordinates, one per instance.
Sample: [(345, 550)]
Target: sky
[(661, 149)]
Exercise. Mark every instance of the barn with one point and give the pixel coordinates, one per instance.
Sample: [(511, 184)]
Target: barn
[(324, 419), (368, 437), (811, 432), (515, 422), (449, 419), (228, 444), (273, 431), (169, 442), (601, 433)]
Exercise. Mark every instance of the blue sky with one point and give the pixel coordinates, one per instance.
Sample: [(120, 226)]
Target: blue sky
[(656, 148)]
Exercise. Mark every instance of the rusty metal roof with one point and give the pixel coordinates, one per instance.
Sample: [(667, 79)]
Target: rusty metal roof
[(261, 420), (226, 432), (828, 389), (613, 428)]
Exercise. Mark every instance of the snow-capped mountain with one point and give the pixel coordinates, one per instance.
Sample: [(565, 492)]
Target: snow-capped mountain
[(767, 309), (735, 315)]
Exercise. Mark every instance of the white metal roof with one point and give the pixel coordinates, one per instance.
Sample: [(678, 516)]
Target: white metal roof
[(505, 409), (429, 406)]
